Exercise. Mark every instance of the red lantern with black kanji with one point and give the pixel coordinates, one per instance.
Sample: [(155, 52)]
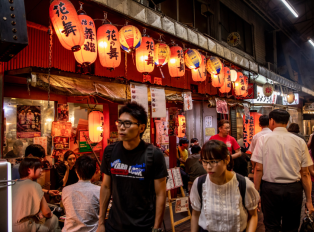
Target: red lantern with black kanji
[(88, 52), (145, 56), (226, 87), (95, 126), (200, 74), (176, 62), (67, 24), (109, 46), (240, 79)]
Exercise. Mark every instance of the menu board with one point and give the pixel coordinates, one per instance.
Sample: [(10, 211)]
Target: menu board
[(158, 99), (182, 204), (174, 179), (139, 94)]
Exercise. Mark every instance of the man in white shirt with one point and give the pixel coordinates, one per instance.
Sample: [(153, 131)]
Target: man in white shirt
[(282, 161)]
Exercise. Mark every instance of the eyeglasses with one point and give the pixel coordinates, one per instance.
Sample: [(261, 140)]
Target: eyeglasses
[(212, 163), (126, 124)]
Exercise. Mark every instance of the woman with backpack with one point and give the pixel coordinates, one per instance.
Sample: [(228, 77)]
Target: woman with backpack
[(222, 200)]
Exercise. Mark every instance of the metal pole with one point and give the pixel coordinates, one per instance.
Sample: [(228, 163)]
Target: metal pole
[(87, 140), (2, 112)]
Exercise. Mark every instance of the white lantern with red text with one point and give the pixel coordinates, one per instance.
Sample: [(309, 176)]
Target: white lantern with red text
[(95, 126), (268, 89), (67, 24), (290, 97)]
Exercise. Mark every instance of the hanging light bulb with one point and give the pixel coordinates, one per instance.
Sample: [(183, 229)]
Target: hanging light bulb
[(88, 52), (67, 24)]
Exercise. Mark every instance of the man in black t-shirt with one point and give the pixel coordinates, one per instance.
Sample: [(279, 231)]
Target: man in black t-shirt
[(138, 187)]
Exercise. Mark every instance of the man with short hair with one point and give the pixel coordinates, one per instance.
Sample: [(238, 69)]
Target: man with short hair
[(282, 161), (223, 136), (135, 175), (81, 200), (193, 166), (17, 150)]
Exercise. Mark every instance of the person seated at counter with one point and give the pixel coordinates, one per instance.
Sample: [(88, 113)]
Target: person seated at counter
[(81, 200), (17, 150), (33, 150), (66, 169), (29, 206)]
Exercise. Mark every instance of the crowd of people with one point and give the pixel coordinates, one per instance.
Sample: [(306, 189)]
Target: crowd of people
[(222, 197)]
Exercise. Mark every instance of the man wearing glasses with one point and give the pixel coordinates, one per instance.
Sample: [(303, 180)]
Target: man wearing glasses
[(135, 175)]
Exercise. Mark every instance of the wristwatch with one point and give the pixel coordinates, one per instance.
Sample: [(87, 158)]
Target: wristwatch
[(157, 230)]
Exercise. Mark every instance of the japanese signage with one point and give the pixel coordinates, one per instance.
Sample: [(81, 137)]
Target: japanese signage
[(250, 128), (28, 122), (187, 101), (139, 95), (182, 204), (262, 99), (174, 179), (158, 101), (295, 102), (157, 80)]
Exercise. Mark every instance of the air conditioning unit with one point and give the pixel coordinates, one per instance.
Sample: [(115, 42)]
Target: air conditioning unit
[(272, 67)]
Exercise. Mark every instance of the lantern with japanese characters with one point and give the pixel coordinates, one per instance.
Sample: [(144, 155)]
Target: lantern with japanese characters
[(88, 52), (95, 126), (181, 126), (218, 80), (233, 75), (246, 84), (268, 89), (200, 74), (214, 65), (130, 38), (176, 62), (240, 79), (67, 24), (162, 56), (193, 59), (145, 56), (238, 88), (226, 87), (109, 46)]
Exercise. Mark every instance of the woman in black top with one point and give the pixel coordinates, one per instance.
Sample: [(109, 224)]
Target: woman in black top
[(66, 169)]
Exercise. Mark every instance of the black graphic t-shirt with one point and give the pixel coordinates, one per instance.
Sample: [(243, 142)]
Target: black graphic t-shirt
[(132, 190)]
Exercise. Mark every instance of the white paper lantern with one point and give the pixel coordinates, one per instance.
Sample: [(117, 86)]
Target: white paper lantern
[(268, 89), (234, 75), (290, 97)]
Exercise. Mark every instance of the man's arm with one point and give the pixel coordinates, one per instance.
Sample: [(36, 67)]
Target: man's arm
[(258, 174), (237, 154), (105, 195), (160, 190), (307, 186)]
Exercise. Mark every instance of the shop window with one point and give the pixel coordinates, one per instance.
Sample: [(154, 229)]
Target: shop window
[(231, 22), (202, 17), (169, 8), (38, 121)]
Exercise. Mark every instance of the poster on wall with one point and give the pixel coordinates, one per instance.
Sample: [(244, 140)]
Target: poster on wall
[(83, 144), (61, 129), (28, 123), (139, 94), (221, 106), (62, 143), (63, 112), (41, 141), (187, 101), (158, 101)]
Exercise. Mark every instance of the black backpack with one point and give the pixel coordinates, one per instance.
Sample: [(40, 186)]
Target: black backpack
[(149, 157), (242, 187)]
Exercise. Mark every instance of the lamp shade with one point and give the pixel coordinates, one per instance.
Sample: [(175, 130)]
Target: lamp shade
[(268, 89), (214, 65), (67, 24), (218, 79), (226, 87), (234, 75), (162, 54), (130, 38), (95, 126), (145, 56), (193, 59), (200, 74), (290, 97), (88, 52), (109, 46), (176, 62)]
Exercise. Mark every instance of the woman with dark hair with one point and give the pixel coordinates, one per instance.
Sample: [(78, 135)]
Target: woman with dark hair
[(29, 206), (216, 197), (295, 129), (66, 169)]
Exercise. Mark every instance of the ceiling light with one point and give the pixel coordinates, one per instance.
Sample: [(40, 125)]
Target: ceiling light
[(311, 42), (291, 8)]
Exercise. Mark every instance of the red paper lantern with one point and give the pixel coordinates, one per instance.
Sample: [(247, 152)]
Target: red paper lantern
[(176, 62), (95, 126), (200, 74), (145, 56), (88, 52), (240, 79), (66, 24), (227, 81), (109, 46), (246, 85), (218, 80), (238, 88)]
